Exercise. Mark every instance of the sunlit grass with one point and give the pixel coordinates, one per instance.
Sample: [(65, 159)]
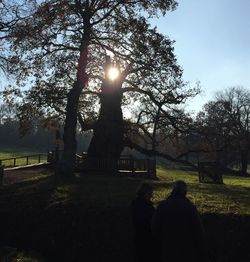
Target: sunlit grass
[(233, 197), (99, 206), (5, 154)]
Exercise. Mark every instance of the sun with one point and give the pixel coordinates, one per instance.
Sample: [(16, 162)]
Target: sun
[(113, 73)]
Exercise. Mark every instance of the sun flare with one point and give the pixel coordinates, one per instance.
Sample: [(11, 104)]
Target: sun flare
[(113, 73)]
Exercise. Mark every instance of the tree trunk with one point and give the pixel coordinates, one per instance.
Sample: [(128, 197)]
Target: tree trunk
[(107, 141), (108, 133), (244, 162), (69, 135)]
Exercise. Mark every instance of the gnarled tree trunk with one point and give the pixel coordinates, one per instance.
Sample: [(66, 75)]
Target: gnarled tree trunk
[(108, 135), (69, 136), (107, 141)]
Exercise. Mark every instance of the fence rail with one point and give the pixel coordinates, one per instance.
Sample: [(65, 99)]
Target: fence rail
[(30, 159), (126, 164), (145, 167), (13, 162)]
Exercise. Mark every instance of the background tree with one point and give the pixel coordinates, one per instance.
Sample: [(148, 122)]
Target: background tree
[(225, 123)]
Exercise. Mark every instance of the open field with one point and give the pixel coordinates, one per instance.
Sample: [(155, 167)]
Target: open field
[(17, 151), (230, 198), (233, 197), (88, 218)]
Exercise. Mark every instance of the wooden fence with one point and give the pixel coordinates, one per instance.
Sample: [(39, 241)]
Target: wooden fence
[(30, 159), (126, 165), (13, 162), (210, 172)]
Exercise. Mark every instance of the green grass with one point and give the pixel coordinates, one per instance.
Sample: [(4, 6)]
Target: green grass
[(105, 202), (230, 198), (93, 211), (233, 197)]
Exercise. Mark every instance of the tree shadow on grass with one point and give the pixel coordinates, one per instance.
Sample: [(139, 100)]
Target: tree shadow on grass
[(88, 214), (232, 198)]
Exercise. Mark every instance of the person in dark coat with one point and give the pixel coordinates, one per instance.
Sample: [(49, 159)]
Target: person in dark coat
[(177, 228), (142, 212)]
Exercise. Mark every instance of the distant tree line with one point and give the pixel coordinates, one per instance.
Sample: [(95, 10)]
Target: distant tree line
[(220, 133), (39, 138)]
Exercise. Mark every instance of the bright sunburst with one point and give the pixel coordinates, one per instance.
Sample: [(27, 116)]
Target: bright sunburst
[(113, 73)]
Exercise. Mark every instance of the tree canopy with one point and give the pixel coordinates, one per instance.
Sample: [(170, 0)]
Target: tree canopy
[(225, 122), (58, 49)]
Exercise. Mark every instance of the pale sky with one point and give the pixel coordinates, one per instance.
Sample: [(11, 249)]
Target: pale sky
[(212, 43)]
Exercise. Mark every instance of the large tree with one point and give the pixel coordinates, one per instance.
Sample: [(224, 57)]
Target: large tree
[(58, 48), (225, 122)]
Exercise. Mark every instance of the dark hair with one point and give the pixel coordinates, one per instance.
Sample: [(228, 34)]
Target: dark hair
[(143, 189), (179, 187)]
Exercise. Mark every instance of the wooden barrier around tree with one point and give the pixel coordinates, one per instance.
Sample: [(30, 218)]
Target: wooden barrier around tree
[(124, 166), (210, 172), (143, 167)]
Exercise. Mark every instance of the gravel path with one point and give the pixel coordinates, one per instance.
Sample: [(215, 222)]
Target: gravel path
[(17, 175)]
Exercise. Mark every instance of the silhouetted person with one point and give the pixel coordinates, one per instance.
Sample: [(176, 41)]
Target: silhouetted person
[(177, 228), (142, 213)]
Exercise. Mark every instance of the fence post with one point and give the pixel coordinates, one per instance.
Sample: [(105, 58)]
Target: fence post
[(39, 158), (1, 175), (133, 166), (151, 168), (154, 168), (148, 167), (14, 162)]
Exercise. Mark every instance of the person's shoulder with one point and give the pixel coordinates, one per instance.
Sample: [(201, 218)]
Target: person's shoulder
[(190, 204), (189, 201), (163, 203)]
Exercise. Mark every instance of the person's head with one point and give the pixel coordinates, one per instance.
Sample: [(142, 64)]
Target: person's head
[(145, 191), (179, 187)]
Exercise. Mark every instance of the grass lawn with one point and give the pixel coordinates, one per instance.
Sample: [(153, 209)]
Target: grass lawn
[(233, 197), (17, 151), (88, 218)]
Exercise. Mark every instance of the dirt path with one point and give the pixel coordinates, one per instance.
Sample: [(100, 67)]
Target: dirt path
[(17, 175)]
